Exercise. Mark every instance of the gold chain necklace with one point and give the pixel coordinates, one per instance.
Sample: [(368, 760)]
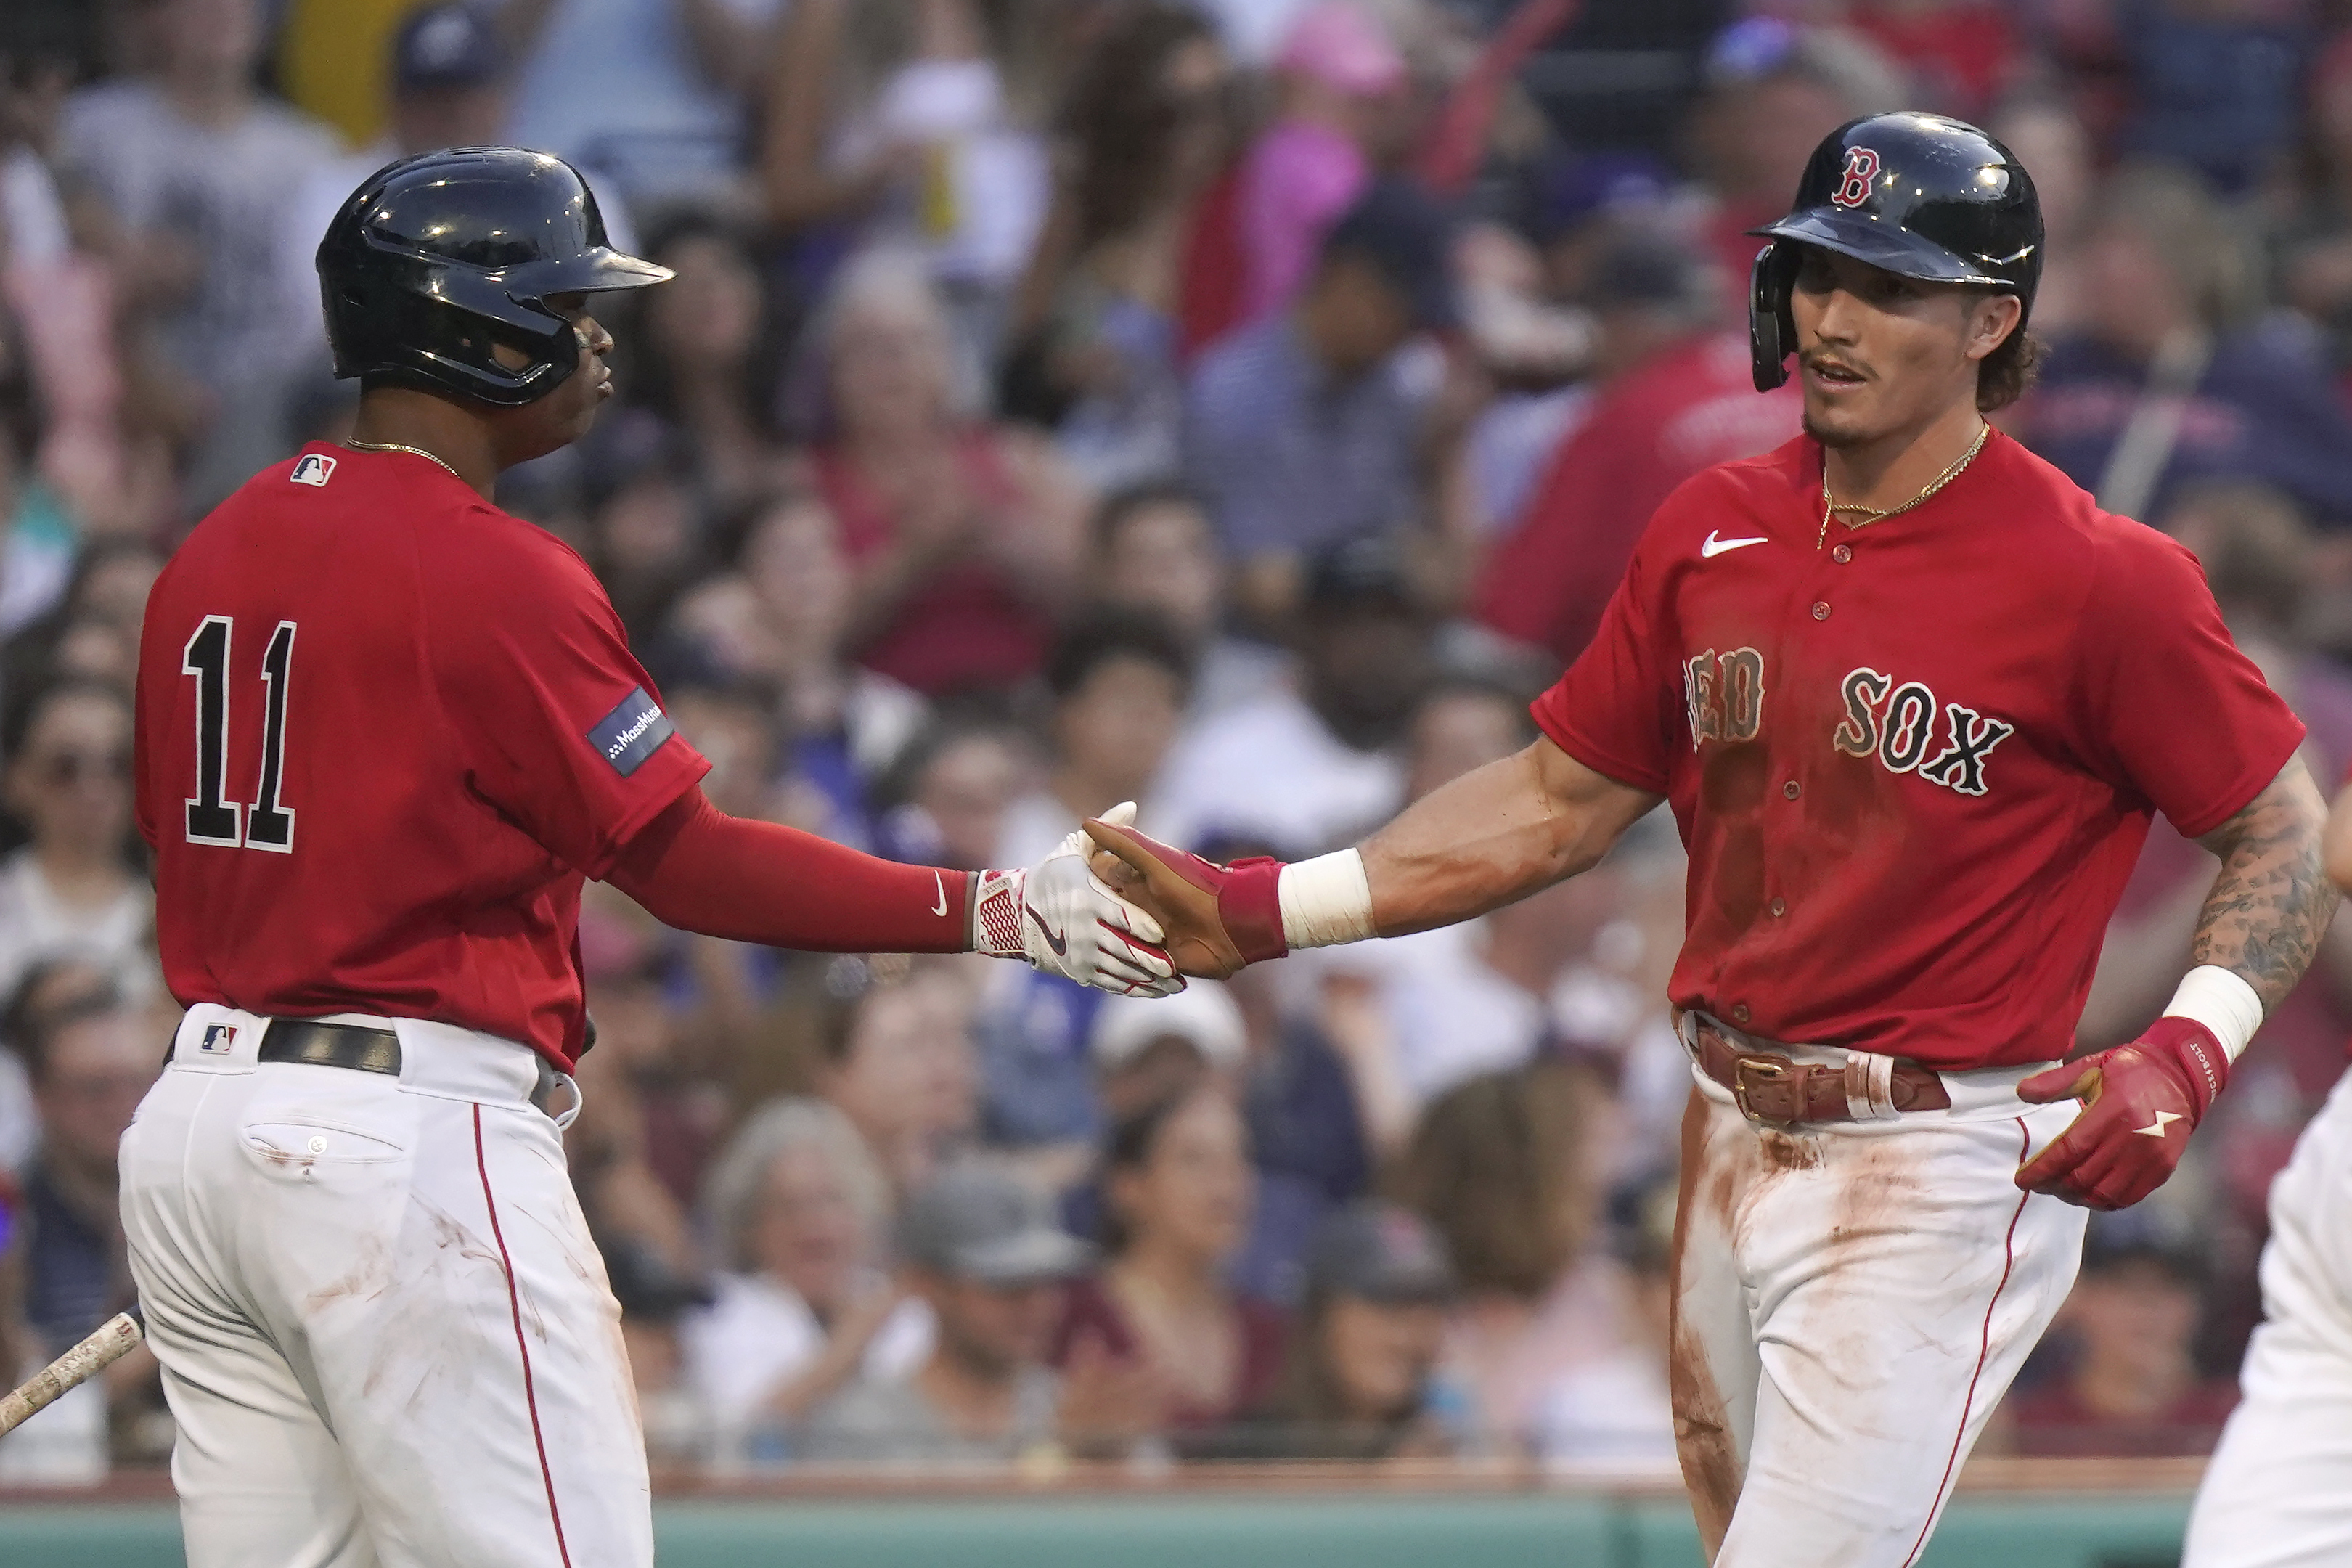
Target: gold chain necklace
[(1831, 508), (357, 445)]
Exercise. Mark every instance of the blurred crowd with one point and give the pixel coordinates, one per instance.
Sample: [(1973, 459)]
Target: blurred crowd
[(1240, 406)]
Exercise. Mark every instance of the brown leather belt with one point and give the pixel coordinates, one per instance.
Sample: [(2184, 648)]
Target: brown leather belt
[(361, 1049), (1772, 1089)]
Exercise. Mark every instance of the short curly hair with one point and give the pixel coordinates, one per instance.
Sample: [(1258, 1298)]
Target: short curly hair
[(2010, 372)]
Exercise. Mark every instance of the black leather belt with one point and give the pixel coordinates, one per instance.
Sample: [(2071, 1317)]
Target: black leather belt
[(362, 1049)]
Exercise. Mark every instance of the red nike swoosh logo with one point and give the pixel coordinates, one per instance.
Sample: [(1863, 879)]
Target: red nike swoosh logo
[(1060, 944)]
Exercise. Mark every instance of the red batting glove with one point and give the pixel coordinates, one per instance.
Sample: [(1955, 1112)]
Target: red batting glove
[(2140, 1102), (1216, 918)]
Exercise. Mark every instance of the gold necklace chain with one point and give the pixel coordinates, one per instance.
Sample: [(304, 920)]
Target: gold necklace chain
[(1831, 508), (357, 445)]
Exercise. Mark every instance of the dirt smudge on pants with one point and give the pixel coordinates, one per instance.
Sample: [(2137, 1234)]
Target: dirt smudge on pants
[(1711, 1463)]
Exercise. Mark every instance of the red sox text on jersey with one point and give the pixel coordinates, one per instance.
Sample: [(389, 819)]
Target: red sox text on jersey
[(1896, 723)]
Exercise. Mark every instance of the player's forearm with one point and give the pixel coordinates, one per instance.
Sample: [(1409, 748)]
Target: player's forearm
[(2272, 902), (698, 869), (1492, 836)]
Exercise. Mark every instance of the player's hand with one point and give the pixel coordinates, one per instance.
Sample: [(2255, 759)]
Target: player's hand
[(2140, 1102), (1216, 918), (1062, 917)]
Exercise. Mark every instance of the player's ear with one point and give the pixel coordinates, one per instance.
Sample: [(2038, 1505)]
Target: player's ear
[(1991, 319)]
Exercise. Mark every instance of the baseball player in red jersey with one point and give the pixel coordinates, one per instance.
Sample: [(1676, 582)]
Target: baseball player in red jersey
[(1912, 699), (2278, 1492), (385, 732)]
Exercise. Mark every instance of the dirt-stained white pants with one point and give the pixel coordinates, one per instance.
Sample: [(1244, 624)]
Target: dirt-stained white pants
[(386, 1337), (1851, 1301), (2279, 1491)]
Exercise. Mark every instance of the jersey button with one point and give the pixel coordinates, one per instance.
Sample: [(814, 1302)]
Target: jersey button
[(1740, 1014), (1791, 789), (1779, 907), (1841, 554), (1821, 610)]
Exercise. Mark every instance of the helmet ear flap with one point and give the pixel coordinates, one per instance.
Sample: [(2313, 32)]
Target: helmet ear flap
[(1771, 331)]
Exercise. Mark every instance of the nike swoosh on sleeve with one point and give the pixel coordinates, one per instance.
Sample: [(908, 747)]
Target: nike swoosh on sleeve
[(941, 884)]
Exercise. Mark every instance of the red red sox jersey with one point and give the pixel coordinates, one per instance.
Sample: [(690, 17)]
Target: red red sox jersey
[(384, 731), (1913, 763)]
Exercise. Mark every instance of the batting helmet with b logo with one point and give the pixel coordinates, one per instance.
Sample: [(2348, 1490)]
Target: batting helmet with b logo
[(1916, 193)]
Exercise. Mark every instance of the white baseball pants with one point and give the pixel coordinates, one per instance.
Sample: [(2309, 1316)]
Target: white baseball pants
[(386, 1334), (1851, 1301), (2279, 1491)]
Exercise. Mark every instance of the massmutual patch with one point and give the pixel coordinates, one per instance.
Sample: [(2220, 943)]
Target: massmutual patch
[(630, 733)]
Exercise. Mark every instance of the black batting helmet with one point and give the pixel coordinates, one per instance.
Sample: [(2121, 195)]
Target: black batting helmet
[(1915, 193), (437, 259)]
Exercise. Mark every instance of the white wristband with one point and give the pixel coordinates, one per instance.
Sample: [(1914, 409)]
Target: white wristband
[(1326, 901), (2220, 999)]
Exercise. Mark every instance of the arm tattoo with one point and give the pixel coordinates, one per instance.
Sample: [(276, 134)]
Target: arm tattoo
[(2271, 903)]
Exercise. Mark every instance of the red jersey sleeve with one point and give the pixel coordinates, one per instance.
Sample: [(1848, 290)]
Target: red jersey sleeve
[(1614, 710), (2170, 709), (559, 726)]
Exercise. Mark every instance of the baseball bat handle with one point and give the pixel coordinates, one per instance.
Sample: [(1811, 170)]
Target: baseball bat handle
[(113, 1340)]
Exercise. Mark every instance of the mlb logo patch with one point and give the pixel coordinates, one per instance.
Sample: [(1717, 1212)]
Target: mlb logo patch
[(313, 469), (219, 1039)]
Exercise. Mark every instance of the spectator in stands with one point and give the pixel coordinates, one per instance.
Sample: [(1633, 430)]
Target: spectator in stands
[(91, 1057), (1773, 90), (2132, 1388), (2215, 85), (2049, 137), (636, 1148), (1961, 54), (1155, 551), (92, 629), (647, 532), (1675, 396), (1139, 1056), (946, 798), (2172, 377), (704, 336), (898, 1063), (1178, 1192), (1306, 431), (1305, 769), (914, 123), (652, 96), (199, 170), (1363, 1356), (71, 892), (983, 1253), (1095, 352), (37, 526), (799, 1213), (963, 535), (1336, 72), (2311, 241), (775, 624), (1146, 1056), (1614, 1408), (1507, 1167), (1579, 207), (1119, 683), (449, 72)]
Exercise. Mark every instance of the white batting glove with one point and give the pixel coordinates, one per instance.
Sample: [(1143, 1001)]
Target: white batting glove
[(1059, 917)]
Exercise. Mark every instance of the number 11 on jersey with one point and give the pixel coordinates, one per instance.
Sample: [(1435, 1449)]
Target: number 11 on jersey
[(212, 818)]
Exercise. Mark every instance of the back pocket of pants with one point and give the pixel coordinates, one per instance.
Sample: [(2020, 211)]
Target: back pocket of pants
[(298, 1147)]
